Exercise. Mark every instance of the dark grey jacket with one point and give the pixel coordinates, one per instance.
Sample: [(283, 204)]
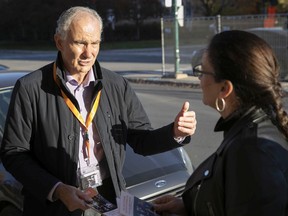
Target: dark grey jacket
[(246, 176), (41, 138)]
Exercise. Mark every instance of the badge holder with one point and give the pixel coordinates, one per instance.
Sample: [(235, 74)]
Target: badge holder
[(89, 176)]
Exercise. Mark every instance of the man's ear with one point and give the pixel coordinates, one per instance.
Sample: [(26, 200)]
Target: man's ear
[(58, 41), (226, 89)]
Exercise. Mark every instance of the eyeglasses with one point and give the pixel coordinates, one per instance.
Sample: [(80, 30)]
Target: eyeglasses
[(198, 72)]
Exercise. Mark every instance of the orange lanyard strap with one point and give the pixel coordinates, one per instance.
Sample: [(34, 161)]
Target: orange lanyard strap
[(77, 114)]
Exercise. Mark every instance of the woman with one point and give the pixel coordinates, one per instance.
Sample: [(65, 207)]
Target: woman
[(248, 174)]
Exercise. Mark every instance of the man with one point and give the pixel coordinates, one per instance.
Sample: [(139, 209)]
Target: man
[(69, 122)]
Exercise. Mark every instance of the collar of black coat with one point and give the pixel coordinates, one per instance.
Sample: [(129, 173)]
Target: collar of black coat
[(96, 67), (61, 76), (226, 124), (237, 121)]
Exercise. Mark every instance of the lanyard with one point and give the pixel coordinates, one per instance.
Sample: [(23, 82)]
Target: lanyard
[(77, 114)]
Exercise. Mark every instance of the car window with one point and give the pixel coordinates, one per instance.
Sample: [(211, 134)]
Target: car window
[(5, 95)]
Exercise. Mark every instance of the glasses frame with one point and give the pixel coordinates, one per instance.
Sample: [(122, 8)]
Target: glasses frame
[(199, 73)]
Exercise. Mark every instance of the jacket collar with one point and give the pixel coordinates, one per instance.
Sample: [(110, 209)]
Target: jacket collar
[(61, 76), (236, 122), (60, 68), (231, 127)]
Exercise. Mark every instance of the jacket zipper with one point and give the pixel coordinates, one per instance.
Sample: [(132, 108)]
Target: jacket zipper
[(210, 209), (196, 196)]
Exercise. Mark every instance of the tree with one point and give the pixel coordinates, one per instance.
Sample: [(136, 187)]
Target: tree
[(32, 20), (214, 7), (224, 7)]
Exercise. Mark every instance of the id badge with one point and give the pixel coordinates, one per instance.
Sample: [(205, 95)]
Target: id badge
[(89, 177)]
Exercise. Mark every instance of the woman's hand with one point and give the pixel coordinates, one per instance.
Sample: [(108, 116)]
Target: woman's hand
[(169, 204)]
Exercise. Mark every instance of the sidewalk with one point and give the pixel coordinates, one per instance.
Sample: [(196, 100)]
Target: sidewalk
[(182, 81), (187, 81), (144, 77)]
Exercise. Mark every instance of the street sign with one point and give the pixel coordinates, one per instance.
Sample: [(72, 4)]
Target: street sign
[(181, 16), (168, 3)]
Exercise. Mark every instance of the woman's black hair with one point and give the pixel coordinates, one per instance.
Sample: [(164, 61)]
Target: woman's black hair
[(250, 64)]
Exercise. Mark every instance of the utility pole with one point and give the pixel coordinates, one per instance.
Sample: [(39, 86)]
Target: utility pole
[(178, 10), (176, 36)]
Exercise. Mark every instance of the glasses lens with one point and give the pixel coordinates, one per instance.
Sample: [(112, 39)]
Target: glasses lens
[(197, 74), (197, 71), (198, 67)]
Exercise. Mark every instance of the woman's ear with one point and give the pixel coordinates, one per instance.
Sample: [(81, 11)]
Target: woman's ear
[(226, 89)]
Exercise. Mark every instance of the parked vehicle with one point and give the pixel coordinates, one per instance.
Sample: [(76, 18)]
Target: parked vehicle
[(147, 177)]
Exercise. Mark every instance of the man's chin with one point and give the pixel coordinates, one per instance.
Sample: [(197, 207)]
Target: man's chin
[(84, 68)]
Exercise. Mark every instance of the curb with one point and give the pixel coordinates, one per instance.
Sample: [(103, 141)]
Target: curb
[(184, 83), (164, 82), (158, 79)]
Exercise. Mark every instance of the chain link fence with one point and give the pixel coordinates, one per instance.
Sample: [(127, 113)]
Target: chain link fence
[(196, 32)]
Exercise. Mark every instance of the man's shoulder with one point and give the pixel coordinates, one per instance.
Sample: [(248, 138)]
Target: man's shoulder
[(111, 76), (37, 75), (109, 73)]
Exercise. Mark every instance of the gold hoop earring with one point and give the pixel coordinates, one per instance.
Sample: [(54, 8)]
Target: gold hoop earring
[(223, 104)]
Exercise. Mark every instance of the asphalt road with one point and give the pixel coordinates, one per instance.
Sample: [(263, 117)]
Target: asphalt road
[(162, 104)]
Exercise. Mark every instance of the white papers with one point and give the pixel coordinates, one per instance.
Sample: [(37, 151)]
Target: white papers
[(129, 205)]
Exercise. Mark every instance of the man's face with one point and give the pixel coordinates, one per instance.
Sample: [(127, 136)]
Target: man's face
[(80, 48)]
